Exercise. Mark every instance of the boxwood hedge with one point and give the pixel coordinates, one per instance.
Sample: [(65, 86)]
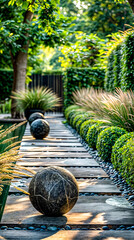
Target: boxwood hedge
[(106, 140), (116, 153)]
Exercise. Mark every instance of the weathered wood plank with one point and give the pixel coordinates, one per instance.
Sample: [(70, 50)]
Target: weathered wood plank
[(85, 186), (52, 149), (67, 235), (81, 172), (50, 140), (55, 154), (88, 211), (52, 144), (63, 162)]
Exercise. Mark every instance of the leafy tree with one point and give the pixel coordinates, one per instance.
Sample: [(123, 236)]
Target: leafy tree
[(26, 24), (83, 53)]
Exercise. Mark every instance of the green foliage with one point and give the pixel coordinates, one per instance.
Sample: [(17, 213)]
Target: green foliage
[(76, 78), (69, 111), (127, 63), (6, 80), (117, 66), (5, 106), (39, 98), (127, 167), (81, 121), (116, 150), (83, 53), (106, 140), (109, 77), (77, 113), (85, 126), (105, 17), (120, 65), (76, 119), (93, 132)]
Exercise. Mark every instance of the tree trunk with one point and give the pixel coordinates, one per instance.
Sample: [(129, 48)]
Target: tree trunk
[(19, 68), (131, 2), (19, 62)]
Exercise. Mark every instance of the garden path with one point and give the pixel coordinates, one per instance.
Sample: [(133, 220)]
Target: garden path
[(100, 205)]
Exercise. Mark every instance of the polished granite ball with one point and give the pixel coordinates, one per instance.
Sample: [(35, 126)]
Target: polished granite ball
[(35, 116), (53, 191), (39, 128)]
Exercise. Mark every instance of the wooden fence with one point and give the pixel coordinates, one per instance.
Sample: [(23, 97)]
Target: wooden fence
[(53, 81)]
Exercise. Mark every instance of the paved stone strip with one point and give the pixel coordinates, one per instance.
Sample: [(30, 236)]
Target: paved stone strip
[(99, 205)]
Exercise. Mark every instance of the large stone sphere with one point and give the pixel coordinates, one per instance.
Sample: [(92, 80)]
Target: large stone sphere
[(35, 116), (53, 191), (39, 128)]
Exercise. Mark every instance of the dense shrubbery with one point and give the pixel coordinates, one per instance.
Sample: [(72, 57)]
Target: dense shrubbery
[(6, 80), (109, 140), (76, 78), (93, 132), (106, 140), (85, 126), (127, 166), (120, 67), (116, 151)]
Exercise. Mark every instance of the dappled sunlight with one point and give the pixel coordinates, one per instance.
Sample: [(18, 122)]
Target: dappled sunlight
[(86, 183), (99, 219)]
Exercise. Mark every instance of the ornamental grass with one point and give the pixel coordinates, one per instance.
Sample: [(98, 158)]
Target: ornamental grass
[(115, 108), (9, 169), (37, 98)]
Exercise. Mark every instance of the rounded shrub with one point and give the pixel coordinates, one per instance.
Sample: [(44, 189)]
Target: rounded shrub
[(116, 153), (93, 132), (69, 110), (106, 139), (82, 120), (127, 167), (85, 126), (77, 113)]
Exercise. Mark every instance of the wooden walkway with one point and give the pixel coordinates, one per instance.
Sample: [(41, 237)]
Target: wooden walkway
[(100, 205)]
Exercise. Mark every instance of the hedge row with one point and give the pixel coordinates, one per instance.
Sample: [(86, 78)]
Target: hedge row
[(76, 78), (6, 80), (120, 67), (113, 144)]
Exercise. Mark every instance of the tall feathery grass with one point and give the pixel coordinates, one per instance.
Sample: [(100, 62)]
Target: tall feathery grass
[(116, 108), (9, 169), (37, 98)]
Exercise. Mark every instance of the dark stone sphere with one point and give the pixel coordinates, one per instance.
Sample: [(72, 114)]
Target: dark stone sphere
[(39, 128), (35, 116), (53, 191)]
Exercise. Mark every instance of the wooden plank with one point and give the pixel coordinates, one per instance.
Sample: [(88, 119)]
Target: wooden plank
[(52, 144), (67, 235), (88, 211), (52, 149), (81, 172), (63, 162), (55, 154), (50, 140), (85, 186)]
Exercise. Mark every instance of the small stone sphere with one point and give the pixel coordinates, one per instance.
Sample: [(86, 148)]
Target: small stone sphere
[(35, 116), (39, 128), (53, 191)]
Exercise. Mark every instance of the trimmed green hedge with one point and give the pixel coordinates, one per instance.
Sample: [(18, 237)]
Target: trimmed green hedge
[(6, 81), (127, 167), (93, 132), (127, 63), (76, 78), (106, 140), (116, 152), (120, 67), (85, 126)]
